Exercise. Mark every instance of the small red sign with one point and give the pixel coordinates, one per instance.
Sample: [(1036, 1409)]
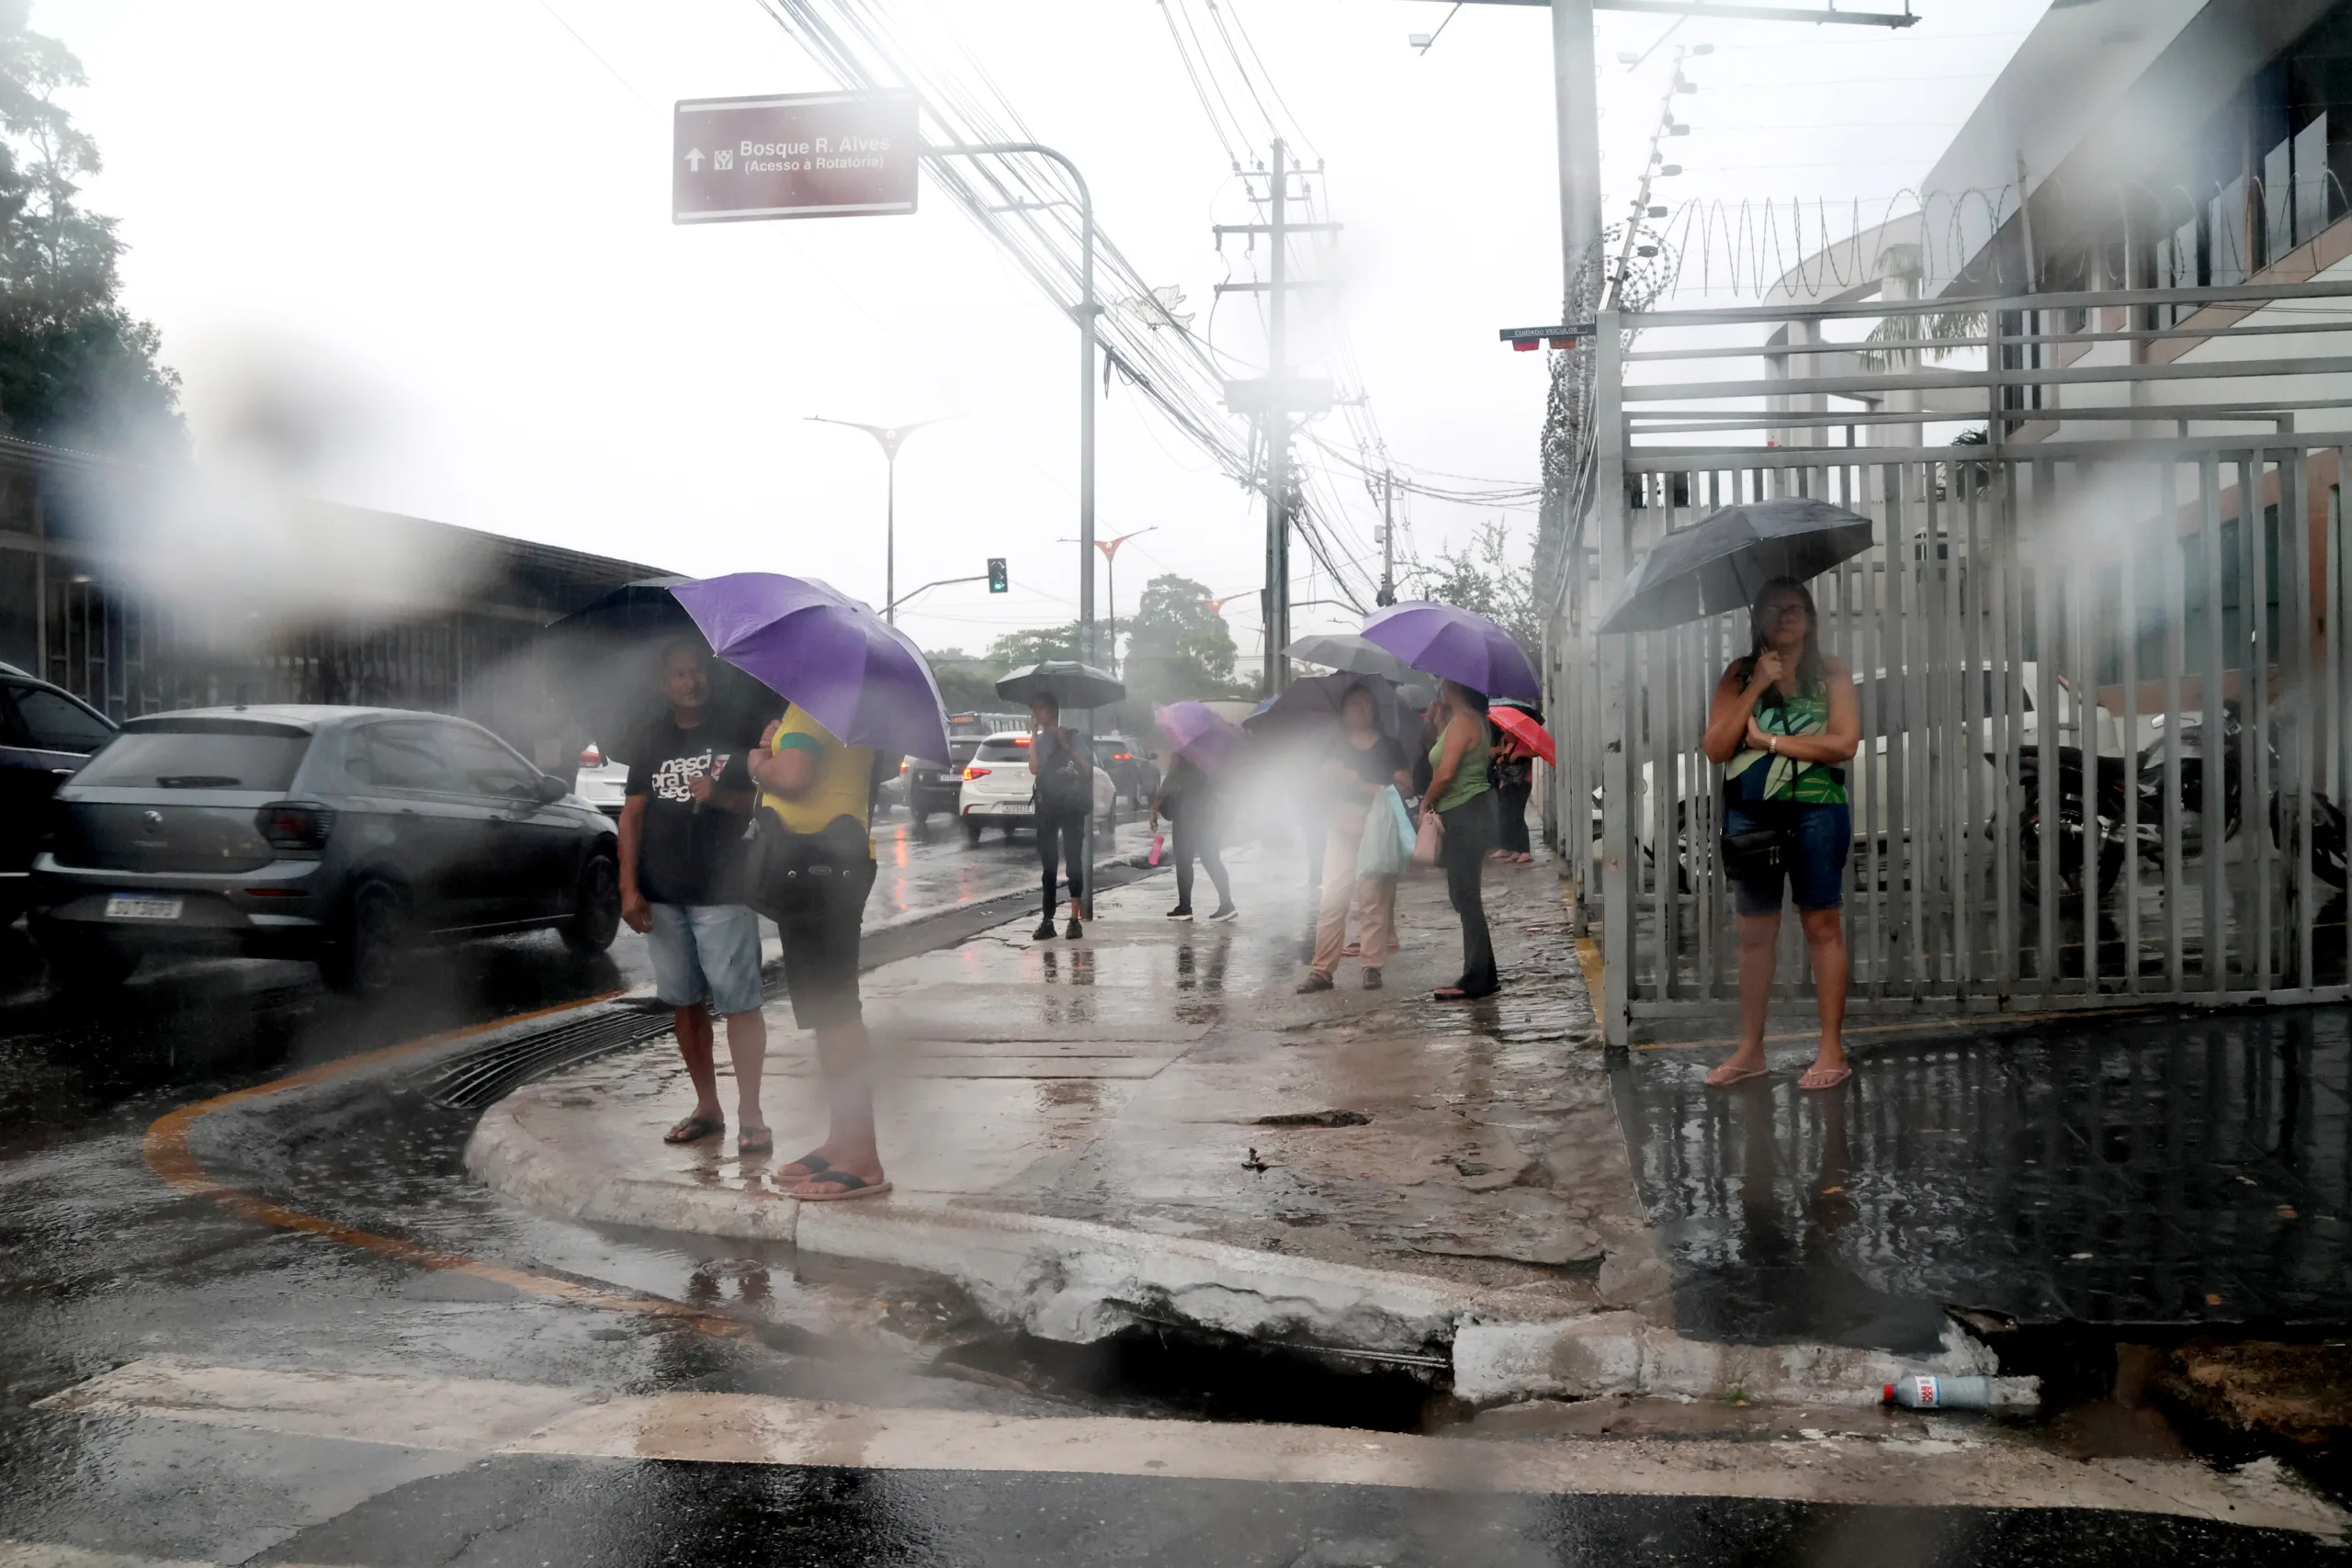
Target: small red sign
[(801, 155)]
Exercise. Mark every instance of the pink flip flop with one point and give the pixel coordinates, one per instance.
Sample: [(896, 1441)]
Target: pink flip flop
[(1741, 1077), (1814, 1079)]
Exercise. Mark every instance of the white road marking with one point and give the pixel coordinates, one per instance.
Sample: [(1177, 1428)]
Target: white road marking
[(1977, 1467)]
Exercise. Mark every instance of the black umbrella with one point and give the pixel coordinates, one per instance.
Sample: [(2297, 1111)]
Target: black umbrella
[(601, 664), (1722, 564), (1313, 701), (1069, 683)]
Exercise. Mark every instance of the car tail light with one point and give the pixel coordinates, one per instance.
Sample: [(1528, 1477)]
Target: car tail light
[(1122, 756), (294, 824), (904, 763), (970, 773), (592, 758)]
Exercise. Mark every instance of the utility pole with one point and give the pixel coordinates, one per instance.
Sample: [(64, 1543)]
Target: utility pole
[(1388, 594), (1277, 398), (1278, 438), (1576, 104)]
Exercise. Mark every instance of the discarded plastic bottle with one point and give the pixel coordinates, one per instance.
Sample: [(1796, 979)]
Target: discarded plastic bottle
[(1157, 840), (1927, 1391)]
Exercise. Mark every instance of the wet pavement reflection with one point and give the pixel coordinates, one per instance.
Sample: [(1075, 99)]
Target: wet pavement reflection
[(2141, 1170)]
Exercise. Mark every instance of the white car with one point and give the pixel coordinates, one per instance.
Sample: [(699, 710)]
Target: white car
[(999, 790), (601, 780)]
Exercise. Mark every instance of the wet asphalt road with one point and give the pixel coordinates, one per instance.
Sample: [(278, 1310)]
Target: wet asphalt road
[(102, 1264)]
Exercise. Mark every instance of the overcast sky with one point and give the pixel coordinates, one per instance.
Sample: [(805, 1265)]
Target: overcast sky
[(442, 228)]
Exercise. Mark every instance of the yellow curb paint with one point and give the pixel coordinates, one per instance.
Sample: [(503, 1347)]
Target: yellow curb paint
[(1588, 955), (170, 1158)]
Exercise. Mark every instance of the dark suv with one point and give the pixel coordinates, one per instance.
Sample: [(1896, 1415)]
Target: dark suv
[(46, 733), (1132, 772), (334, 834), (932, 790)]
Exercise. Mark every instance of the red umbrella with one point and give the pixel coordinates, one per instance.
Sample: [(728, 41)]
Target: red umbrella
[(1520, 726)]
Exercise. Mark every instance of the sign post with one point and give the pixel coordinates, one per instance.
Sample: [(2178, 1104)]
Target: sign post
[(797, 155)]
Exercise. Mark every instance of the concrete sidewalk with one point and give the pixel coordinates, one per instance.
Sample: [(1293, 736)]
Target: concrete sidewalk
[(1149, 1126)]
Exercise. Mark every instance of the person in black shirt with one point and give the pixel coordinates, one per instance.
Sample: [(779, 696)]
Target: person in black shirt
[(683, 815), (1361, 763), (1061, 760), (1187, 797)]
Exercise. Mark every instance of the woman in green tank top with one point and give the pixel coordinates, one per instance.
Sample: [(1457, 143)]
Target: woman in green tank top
[(1783, 725), (1464, 806)]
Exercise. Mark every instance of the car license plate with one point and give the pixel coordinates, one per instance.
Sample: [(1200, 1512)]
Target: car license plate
[(140, 907)]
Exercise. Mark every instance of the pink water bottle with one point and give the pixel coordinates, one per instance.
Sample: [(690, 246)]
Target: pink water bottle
[(1157, 840)]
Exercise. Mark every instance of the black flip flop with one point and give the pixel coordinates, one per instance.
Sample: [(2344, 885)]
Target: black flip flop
[(853, 1186), (695, 1129), (811, 1164), (766, 1145)]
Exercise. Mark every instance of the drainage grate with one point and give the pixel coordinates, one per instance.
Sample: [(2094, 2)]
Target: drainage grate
[(481, 1079)]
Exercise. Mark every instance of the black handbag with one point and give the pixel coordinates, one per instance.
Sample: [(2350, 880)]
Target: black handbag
[(794, 877)]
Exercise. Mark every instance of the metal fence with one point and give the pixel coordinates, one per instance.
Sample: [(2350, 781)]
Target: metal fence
[(2135, 566), (127, 657)]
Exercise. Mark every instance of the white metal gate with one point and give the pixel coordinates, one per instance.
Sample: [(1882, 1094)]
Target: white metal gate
[(2052, 628)]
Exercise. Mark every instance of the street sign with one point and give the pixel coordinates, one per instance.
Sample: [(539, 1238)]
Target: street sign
[(998, 582), (799, 155), (1527, 339)]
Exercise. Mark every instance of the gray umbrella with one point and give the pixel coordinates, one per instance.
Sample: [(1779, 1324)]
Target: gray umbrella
[(1722, 564), (1357, 655)]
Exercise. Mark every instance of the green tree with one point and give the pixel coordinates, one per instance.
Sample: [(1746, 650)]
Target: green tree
[(967, 681), (1481, 576), (1032, 645), (76, 367), (1177, 646)]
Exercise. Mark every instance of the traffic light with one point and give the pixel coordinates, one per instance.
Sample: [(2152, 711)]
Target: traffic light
[(1000, 581)]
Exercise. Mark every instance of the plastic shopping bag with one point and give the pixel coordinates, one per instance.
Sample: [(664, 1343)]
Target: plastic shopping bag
[(1387, 839)]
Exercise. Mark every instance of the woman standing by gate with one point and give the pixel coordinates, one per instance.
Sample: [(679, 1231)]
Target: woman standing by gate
[(1783, 723)]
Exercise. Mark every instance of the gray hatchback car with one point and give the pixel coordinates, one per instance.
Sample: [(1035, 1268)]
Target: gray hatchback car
[(340, 835)]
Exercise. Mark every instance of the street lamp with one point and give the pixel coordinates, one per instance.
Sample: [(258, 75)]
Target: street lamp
[(1084, 312), (1109, 548), (892, 438)]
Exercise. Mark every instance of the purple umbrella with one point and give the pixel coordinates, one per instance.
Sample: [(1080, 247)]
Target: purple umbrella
[(1199, 732), (1455, 644), (827, 653)]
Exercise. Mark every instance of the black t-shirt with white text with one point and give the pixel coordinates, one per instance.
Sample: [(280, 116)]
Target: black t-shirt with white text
[(687, 855)]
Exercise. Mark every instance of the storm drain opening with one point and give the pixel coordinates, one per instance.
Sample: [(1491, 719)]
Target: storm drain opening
[(481, 1079), (1171, 1370)]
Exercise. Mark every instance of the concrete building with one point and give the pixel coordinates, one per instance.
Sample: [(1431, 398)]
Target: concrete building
[(141, 590)]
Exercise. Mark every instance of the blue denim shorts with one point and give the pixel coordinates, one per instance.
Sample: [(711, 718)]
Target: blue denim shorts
[(1816, 840), (707, 954)]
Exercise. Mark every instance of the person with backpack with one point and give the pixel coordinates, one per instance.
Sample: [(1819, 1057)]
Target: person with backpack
[(1060, 760)]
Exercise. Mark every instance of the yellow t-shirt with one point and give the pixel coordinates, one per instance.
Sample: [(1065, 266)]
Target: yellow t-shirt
[(844, 778)]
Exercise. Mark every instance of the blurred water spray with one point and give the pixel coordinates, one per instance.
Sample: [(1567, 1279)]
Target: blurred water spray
[(239, 537)]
